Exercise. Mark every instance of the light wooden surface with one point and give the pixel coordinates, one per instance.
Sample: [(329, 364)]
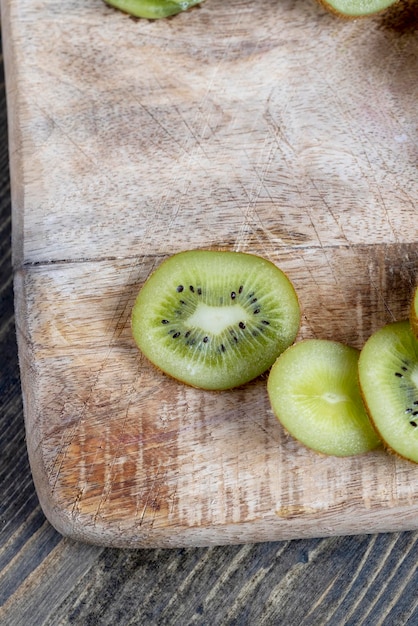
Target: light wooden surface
[(46, 580), (270, 128)]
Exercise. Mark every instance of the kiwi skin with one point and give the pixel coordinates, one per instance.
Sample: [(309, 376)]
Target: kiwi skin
[(232, 351)]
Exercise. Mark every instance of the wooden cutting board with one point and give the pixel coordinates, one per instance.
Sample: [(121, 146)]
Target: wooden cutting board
[(268, 127)]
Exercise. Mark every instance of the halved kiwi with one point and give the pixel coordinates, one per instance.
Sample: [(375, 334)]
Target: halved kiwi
[(356, 8), (314, 392), (388, 373), (215, 319), (413, 313), (152, 9)]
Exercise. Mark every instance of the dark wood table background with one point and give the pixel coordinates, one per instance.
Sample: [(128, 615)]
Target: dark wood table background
[(46, 579)]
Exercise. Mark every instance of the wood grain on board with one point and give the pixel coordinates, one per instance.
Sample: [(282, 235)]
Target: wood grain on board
[(268, 127)]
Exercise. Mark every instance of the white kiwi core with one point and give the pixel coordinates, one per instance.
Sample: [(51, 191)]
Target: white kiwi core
[(335, 398), (216, 319), (414, 376)]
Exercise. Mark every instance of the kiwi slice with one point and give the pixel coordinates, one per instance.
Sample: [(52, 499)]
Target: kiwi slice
[(356, 8), (152, 9), (314, 392), (388, 374), (215, 319), (413, 313)]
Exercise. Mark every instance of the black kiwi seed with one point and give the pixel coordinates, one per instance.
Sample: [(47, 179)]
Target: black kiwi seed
[(176, 335), (241, 325), (205, 339), (256, 311), (240, 289), (414, 424), (165, 322), (265, 322), (233, 295), (191, 288), (180, 288), (199, 291)]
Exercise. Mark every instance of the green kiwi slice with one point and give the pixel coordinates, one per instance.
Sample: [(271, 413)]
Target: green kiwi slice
[(388, 374), (215, 319), (413, 313), (152, 9), (356, 8), (314, 392)]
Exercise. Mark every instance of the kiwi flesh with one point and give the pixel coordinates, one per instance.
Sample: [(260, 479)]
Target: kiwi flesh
[(356, 8), (314, 392), (413, 313), (388, 374), (152, 9), (215, 319)]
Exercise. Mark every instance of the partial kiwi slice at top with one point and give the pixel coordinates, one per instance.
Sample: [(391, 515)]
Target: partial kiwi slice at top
[(314, 392), (388, 374), (356, 8), (215, 319), (152, 9)]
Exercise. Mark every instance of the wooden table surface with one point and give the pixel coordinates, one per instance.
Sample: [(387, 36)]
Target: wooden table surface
[(45, 579)]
